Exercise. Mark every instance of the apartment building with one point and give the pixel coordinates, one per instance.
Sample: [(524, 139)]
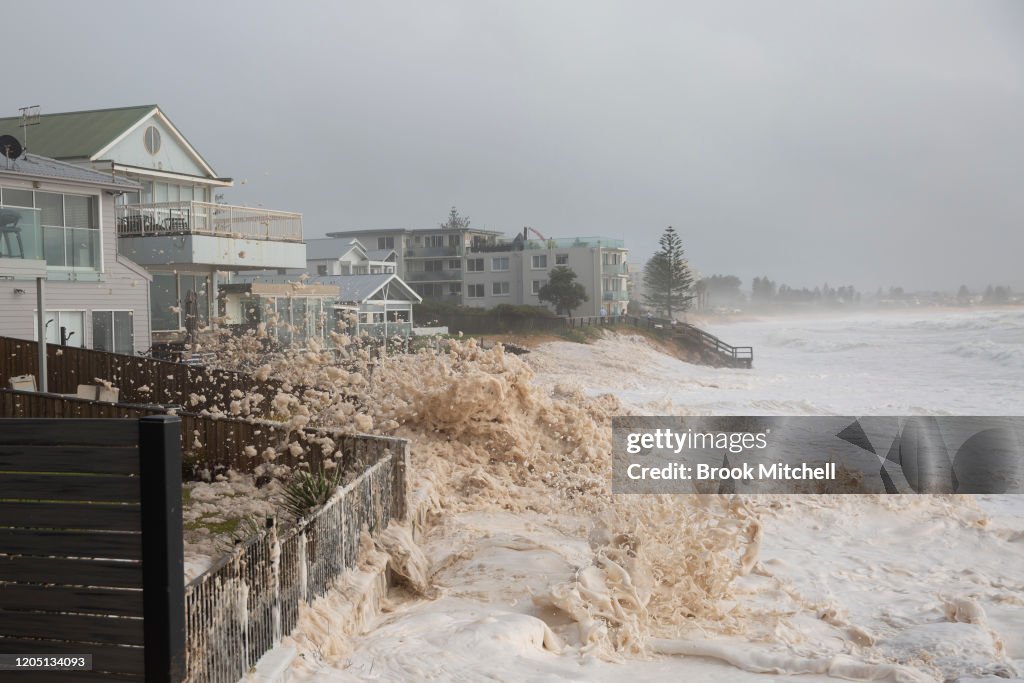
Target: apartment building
[(513, 272)]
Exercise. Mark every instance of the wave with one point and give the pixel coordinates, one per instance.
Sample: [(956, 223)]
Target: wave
[(815, 345), (1008, 355), (990, 321)]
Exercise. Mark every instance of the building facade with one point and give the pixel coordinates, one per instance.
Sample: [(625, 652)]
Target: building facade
[(430, 260), (58, 222), (513, 272), (172, 222)]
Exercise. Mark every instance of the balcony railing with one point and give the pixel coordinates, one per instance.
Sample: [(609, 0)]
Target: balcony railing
[(562, 243), (203, 218), (429, 252), (614, 269), (616, 296), (20, 233)]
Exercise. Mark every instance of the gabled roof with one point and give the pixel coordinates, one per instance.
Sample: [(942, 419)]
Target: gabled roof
[(360, 288), (88, 134), (35, 166), (382, 255), (76, 134)]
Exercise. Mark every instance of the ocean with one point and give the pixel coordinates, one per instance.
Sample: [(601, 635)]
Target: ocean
[(882, 588)]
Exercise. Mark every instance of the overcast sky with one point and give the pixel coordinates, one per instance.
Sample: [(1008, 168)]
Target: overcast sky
[(871, 143)]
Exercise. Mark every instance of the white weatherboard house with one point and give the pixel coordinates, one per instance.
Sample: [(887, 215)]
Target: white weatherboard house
[(338, 256), (171, 223), (57, 221)]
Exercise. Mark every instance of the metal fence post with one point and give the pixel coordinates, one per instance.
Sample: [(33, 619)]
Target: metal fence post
[(163, 565)]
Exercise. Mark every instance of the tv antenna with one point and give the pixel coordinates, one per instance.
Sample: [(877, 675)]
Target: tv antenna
[(29, 117)]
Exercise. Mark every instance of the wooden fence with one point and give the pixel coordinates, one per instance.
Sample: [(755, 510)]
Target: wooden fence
[(210, 445), (91, 546), (249, 600), (139, 379)]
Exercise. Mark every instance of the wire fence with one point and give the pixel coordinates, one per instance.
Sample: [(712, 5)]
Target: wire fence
[(243, 605)]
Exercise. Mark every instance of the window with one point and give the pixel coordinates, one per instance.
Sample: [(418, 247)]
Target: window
[(499, 263), (321, 270), (433, 241), (71, 235), (113, 331), (475, 265), (453, 241), (385, 242), (163, 302), (537, 284), (429, 291), (561, 259), (500, 288), (454, 264), (152, 140), (454, 288), (539, 261), (433, 266), (71, 322), (611, 259), (475, 291)]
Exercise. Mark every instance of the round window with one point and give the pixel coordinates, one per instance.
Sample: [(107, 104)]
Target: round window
[(152, 139)]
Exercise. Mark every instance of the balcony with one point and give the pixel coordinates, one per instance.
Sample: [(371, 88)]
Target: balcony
[(616, 296), (210, 236), (562, 243), (433, 276), (432, 252), (203, 218), (614, 269)]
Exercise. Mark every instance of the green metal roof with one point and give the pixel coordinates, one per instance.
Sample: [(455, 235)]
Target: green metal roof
[(77, 134)]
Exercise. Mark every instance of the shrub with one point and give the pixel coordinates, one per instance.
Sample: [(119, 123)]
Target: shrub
[(306, 491)]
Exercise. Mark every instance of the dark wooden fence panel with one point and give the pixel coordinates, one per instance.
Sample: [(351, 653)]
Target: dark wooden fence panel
[(139, 379), (90, 544), (209, 444)]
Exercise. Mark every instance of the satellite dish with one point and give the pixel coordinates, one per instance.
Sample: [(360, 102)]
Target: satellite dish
[(10, 147)]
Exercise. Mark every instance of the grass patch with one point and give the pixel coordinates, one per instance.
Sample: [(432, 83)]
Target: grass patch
[(582, 335)]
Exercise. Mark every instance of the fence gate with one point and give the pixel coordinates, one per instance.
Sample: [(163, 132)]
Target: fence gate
[(91, 546)]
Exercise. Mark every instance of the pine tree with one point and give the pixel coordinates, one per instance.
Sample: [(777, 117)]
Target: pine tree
[(455, 221), (667, 276)]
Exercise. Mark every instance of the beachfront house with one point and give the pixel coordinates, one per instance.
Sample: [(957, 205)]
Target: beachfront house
[(173, 222), (341, 256), (57, 222), (378, 305), (512, 272), (287, 312)]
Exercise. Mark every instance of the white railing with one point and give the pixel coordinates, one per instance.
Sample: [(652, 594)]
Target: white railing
[(204, 218)]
